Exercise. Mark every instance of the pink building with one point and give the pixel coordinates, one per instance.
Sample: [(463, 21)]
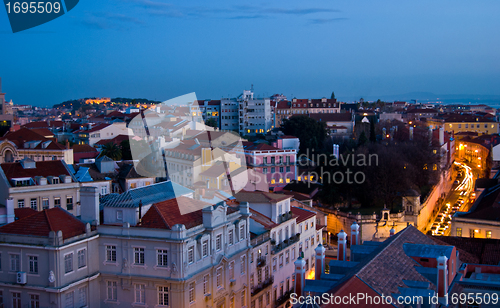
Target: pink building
[(278, 165)]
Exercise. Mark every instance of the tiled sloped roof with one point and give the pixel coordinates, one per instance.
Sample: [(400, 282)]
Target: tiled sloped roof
[(487, 207), (41, 223), (21, 213), (43, 168), (166, 214), (83, 148), (389, 260), (334, 117), (147, 195), (302, 214), (19, 137), (474, 250), (262, 219), (116, 140), (260, 197)]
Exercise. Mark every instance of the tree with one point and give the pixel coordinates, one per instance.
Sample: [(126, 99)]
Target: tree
[(373, 136), (310, 132), (333, 95), (112, 150), (211, 122), (125, 149), (362, 140)]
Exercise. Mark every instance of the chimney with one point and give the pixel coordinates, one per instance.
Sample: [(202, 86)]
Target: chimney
[(354, 233), (140, 211), (300, 276), (11, 216), (442, 276), (392, 232), (441, 135), (320, 261), (89, 199), (342, 245)]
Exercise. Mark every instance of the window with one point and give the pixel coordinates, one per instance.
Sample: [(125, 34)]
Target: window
[(69, 203), (259, 275), (288, 284), (206, 280), (231, 237), (293, 253), (139, 256), (163, 296), (275, 261), (287, 256), (191, 254), (191, 292), (57, 201), (69, 301), (459, 231), (119, 215), (33, 264), (273, 170), (140, 293), (231, 302), (471, 233), (268, 298), (34, 301), (231, 270), (219, 277), (218, 242), (242, 232), (266, 272), (112, 290), (205, 248), (33, 204), (251, 281), (68, 263), (20, 203), (264, 170), (133, 185), (162, 257), (281, 260), (488, 234), (242, 265), (82, 258), (45, 203), (16, 300), (243, 298), (110, 253), (14, 262), (82, 297)]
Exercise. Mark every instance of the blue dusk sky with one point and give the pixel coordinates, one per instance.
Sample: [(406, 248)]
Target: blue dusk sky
[(307, 49)]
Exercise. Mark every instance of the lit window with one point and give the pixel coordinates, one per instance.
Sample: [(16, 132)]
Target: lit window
[(488, 234)]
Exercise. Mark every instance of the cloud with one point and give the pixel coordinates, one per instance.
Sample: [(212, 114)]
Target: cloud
[(320, 21)]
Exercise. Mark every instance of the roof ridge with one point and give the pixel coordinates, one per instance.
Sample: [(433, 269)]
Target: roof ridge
[(48, 220), (161, 216)]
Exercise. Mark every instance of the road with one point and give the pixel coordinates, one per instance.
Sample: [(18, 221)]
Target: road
[(460, 199)]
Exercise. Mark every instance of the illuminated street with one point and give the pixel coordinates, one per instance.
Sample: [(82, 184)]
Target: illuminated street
[(460, 199)]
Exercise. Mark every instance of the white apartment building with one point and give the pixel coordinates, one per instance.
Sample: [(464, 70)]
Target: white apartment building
[(281, 233), (254, 114), (39, 185)]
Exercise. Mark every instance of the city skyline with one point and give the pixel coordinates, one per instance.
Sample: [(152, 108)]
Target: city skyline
[(160, 50)]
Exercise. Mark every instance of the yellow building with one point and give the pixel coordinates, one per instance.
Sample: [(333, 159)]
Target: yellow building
[(469, 123)]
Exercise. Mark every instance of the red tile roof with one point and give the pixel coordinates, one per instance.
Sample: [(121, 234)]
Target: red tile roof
[(262, 219), (302, 214), (44, 124), (41, 223), (43, 168), (93, 129), (83, 148), (24, 212), (116, 140), (19, 137), (166, 214), (260, 197)]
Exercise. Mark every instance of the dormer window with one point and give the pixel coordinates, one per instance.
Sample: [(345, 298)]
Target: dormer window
[(55, 180)]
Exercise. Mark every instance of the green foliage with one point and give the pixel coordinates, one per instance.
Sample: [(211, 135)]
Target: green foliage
[(362, 140), (333, 95), (112, 151), (125, 149), (373, 136), (211, 122), (310, 132)]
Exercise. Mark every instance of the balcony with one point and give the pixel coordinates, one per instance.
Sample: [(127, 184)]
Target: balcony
[(286, 243), (261, 261), (261, 286), (284, 217), (283, 299)]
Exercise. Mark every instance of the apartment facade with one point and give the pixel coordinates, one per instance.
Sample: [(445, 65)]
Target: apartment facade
[(39, 185), (254, 114), (47, 261), (286, 109)]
